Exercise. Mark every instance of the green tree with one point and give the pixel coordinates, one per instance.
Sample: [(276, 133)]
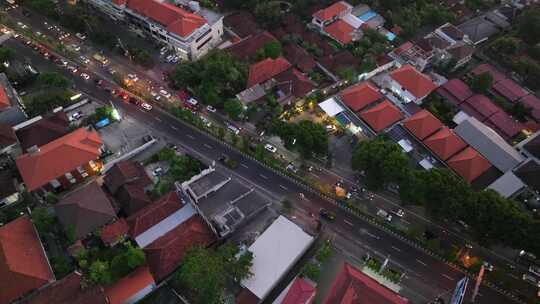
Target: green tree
[(53, 80), (504, 46), (43, 220), (100, 273), (267, 13), (311, 138), (205, 272), (131, 258), (233, 108), (272, 49), (482, 83), (5, 54), (381, 160), (528, 26)]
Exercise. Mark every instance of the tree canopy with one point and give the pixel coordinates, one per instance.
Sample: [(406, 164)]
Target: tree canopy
[(528, 26), (269, 50), (215, 78), (381, 160), (233, 108), (307, 137), (482, 83), (205, 272)]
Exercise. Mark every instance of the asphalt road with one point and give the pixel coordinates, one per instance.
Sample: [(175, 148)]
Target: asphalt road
[(416, 262)]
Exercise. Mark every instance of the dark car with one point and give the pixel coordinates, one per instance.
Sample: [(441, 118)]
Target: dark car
[(327, 214)]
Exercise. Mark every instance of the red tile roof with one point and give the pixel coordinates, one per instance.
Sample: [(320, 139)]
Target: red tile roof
[(532, 102), (56, 158), (504, 124), (422, 124), (4, 99), (413, 81), (331, 11), (23, 263), (68, 290), (126, 172), (119, 2), (165, 254), (113, 232), (340, 31), (483, 105), (174, 19), (510, 90), (85, 210), (335, 62), (44, 131), (445, 143), (488, 68), (294, 82), (128, 286), (455, 90), (299, 57), (360, 95), (266, 69), (154, 213), (242, 23), (381, 116), (249, 46), (469, 164), (300, 292), (351, 286)]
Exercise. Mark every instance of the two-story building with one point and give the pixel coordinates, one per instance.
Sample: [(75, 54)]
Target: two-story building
[(189, 30)]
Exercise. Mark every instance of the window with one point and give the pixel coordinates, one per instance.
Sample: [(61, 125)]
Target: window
[(203, 35), (204, 43)]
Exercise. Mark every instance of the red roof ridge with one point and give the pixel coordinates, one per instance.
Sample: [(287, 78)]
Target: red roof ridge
[(469, 164), (444, 143), (130, 285), (340, 30), (413, 81), (360, 95), (422, 124), (300, 292), (331, 11), (266, 69), (154, 213), (381, 116)]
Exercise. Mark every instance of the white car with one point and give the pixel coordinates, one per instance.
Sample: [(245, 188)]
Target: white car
[(206, 122), (270, 148), (211, 109), (157, 171), (146, 106), (75, 47), (63, 62), (85, 60), (80, 36), (165, 94), (133, 77), (85, 76), (76, 116), (39, 34)]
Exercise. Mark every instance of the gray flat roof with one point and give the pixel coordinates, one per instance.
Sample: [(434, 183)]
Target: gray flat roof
[(219, 201), (507, 185), (207, 182), (490, 144)]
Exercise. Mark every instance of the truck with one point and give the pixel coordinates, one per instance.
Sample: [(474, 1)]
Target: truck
[(101, 59)]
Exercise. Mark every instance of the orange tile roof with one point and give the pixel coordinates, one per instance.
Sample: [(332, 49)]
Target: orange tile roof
[(340, 30), (422, 124), (4, 99), (381, 116), (166, 253), (128, 286), (331, 11), (23, 263), (413, 81), (469, 164), (360, 95), (175, 19), (445, 143), (266, 69), (114, 231), (58, 157), (351, 286)]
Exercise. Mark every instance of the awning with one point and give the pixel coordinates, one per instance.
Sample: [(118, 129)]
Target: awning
[(331, 107)]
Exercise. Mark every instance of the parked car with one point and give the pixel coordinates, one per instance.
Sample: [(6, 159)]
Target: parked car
[(133, 77), (233, 129), (75, 116), (146, 106), (211, 109), (291, 167), (327, 214), (488, 266), (81, 36), (85, 76), (385, 215), (165, 93), (158, 171), (399, 212), (270, 148), (75, 47)]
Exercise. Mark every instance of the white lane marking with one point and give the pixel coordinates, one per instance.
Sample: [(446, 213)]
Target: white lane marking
[(448, 277), (348, 223), (264, 176), (243, 165), (207, 146), (396, 249), (421, 262), (283, 187), (174, 128), (157, 118), (190, 136)]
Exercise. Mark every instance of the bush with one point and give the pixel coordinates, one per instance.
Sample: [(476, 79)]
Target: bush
[(312, 271)]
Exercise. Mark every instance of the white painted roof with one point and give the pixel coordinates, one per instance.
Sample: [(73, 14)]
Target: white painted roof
[(331, 107), (167, 224), (405, 145), (426, 164), (274, 253), (507, 184)]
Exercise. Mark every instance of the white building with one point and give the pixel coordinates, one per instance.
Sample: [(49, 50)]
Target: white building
[(186, 28), (275, 252)]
